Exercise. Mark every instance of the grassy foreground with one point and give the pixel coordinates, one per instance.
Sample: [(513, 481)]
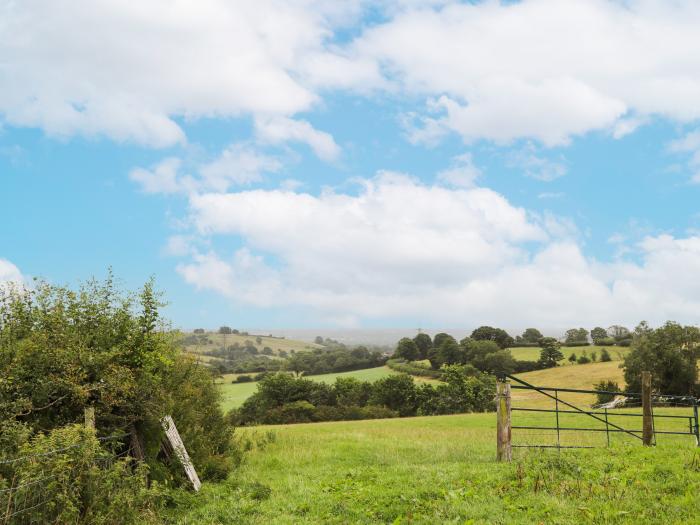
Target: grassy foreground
[(442, 470)]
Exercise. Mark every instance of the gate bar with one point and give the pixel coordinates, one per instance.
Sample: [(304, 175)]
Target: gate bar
[(533, 387)]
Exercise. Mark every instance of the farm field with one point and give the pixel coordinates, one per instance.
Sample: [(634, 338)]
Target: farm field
[(234, 394), (577, 376), (277, 344), (442, 470), (526, 353)]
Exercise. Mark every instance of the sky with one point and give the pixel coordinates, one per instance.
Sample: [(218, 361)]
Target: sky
[(302, 164)]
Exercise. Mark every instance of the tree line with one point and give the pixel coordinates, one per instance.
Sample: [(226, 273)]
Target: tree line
[(281, 398)]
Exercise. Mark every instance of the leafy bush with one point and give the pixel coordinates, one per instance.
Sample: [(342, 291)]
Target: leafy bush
[(608, 386), (243, 379), (583, 359), (62, 350), (71, 473), (282, 398), (605, 355), (412, 369)]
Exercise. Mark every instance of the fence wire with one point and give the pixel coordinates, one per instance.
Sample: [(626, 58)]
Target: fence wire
[(20, 497)]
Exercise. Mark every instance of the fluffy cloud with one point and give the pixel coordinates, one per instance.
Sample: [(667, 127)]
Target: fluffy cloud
[(239, 164), (9, 273), (543, 69), (281, 129), (129, 70), (399, 249)]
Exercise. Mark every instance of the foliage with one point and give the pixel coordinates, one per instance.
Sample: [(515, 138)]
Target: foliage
[(598, 334), (62, 350), (572, 358), (670, 353), (81, 482), (497, 335), (409, 368), (424, 344), (607, 386), (282, 398), (407, 349), (532, 335), (550, 354), (605, 355), (322, 361), (576, 336)]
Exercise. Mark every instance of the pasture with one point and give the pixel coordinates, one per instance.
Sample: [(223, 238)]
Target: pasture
[(576, 376), (277, 344), (441, 469), (523, 353), (233, 394)]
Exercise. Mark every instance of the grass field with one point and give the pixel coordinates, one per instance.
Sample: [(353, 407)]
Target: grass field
[(275, 343), (235, 393), (578, 376), (442, 470), (523, 353)]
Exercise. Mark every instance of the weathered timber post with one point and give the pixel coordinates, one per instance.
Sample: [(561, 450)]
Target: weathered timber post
[(647, 416), (503, 446), (180, 451), (89, 414)]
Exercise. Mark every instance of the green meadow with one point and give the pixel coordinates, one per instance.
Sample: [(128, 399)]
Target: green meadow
[(442, 469), (233, 394)]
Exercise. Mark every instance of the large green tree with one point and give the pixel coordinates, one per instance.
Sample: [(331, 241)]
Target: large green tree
[(598, 334), (424, 344), (497, 335), (532, 335), (670, 353), (550, 354), (407, 349)]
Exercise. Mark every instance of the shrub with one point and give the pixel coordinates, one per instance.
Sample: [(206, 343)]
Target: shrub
[(243, 379), (412, 369), (583, 359), (605, 355), (82, 475), (609, 386)]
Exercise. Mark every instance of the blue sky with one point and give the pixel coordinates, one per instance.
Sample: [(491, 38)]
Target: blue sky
[(346, 165)]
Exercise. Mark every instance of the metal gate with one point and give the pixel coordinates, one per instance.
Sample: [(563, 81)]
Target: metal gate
[(552, 417)]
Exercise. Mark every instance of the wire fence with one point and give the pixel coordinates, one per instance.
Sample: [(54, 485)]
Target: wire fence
[(29, 484)]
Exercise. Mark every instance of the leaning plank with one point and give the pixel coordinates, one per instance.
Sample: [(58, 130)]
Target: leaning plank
[(180, 451)]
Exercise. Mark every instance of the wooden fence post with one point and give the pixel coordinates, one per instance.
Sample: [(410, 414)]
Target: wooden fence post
[(503, 431), (180, 451), (647, 416), (89, 414)]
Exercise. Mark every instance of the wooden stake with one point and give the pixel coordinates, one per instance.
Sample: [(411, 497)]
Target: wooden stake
[(180, 451), (503, 430), (647, 417), (89, 413), (136, 444)]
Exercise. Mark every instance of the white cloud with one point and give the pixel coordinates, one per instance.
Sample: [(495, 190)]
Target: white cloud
[(542, 69), (399, 249), (161, 178), (239, 165), (462, 173), (130, 70), (535, 165), (9, 273), (689, 145), (278, 130)]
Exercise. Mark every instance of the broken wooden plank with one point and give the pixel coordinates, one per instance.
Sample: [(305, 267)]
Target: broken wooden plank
[(180, 451)]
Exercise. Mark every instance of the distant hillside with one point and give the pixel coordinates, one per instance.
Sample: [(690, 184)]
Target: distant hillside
[(199, 343)]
